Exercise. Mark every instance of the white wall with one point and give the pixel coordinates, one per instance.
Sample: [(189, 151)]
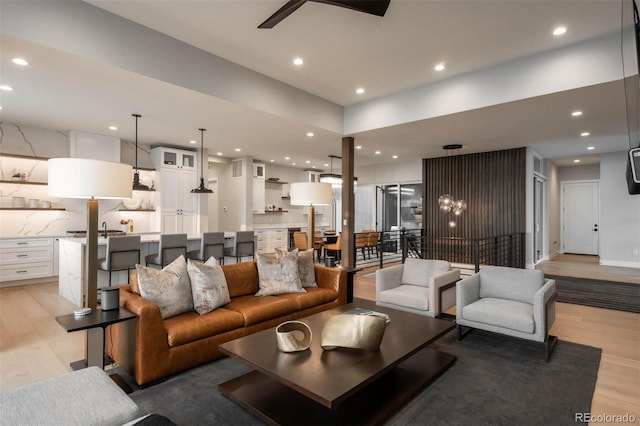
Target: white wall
[(572, 173), (553, 211), (619, 214), (402, 172)]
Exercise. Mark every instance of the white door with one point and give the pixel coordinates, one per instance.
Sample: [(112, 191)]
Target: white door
[(580, 206)]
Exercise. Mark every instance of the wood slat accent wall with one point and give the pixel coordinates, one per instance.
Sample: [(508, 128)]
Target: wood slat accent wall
[(492, 183)]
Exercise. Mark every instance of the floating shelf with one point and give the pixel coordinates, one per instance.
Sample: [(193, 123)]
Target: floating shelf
[(276, 182), (29, 208), (23, 182), (145, 190), (276, 211), (137, 210)]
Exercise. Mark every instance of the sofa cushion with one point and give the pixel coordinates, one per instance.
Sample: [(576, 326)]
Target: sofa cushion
[(278, 276), (313, 296), (208, 285), (190, 327), (166, 289), (510, 283), (306, 266), (420, 271), (242, 278), (411, 296), (257, 309), (502, 313)]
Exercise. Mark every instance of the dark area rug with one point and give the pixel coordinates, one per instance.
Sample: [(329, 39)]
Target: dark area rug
[(598, 293), (495, 381)]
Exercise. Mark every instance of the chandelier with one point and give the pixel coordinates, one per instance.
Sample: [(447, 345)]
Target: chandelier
[(447, 202), (333, 178)]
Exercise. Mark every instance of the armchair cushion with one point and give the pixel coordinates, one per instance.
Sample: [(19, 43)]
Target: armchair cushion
[(508, 313), (411, 296), (510, 283), (420, 271)]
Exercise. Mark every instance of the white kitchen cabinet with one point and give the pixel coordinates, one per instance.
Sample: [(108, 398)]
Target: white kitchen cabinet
[(268, 240), (259, 196), (258, 171), (177, 175), (26, 258)]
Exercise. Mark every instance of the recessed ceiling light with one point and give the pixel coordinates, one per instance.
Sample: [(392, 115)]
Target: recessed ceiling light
[(0, 107), (6, 88), (591, 148), (439, 67), (576, 161), (310, 134), (113, 128), (377, 152), (394, 156), (308, 162), (193, 142), (559, 31), (271, 161), (360, 90), (287, 158), (576, 113), (20, 61), (237, 150), (293, 164), (313, 167), (218, 153), (359, 147), (298, 61), (585, 134), (326, 164)]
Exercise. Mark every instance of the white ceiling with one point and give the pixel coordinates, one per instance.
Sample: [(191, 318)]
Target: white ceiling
[(342, 50)]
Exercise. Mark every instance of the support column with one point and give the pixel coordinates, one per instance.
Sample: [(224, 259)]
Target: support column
[(348, 203)]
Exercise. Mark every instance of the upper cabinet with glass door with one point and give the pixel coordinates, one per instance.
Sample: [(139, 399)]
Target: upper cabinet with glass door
[(178, 159)]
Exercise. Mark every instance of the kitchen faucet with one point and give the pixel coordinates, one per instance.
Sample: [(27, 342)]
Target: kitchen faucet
[(104, 228)]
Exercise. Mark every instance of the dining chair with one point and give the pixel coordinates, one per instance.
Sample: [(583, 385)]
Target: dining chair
[(211, 244), (244, 246), (372, 243), (171, 246), (122, 253), (360, 242), (334, 248)]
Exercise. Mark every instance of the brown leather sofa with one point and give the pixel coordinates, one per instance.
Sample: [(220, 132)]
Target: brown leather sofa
[(151, 348)]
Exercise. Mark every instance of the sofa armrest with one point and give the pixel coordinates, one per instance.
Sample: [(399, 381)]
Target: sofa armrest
[(388, 278), (334, 279), (438, 284), (544, 311), (467, 292)]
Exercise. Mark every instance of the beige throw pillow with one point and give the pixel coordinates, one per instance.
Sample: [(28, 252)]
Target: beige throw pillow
[(278, 276), (306, 266), (208, 285), (166, 289)]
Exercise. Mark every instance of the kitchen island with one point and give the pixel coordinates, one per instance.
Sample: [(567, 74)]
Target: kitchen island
[(71, 259)]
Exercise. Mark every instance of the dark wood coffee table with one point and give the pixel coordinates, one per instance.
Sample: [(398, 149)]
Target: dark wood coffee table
[(341, 386)]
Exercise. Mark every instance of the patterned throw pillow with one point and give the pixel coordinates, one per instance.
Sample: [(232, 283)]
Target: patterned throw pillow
[(208, 285), (306, 266), (166, 289), (278, 276), (179, 267)]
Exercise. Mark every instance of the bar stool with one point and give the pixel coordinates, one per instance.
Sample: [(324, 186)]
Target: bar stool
[(122, 253), (211, 244), (244, 246), (171, 246)]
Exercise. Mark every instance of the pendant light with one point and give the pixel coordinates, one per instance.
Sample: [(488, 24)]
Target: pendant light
[(136, 175), (202, 189), (447, 202)]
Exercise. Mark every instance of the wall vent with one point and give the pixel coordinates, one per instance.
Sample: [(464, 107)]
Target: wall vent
[(236, 168)]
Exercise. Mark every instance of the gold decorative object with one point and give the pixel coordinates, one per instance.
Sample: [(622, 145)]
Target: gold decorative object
[(353, 331), (289, 338)]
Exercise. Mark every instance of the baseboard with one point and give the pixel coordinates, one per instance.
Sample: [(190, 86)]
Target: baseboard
[(619, 264), (28, 281)]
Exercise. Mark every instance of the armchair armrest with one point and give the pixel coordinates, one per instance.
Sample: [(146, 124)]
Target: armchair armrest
[(467, 292), (439, 284), (388, 278), (544, 311)]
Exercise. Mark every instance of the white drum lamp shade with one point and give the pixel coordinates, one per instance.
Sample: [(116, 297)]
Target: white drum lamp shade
[(310, 194), (86, 178)]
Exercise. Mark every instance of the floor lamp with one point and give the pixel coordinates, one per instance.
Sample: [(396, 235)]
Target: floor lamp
[(91, 180), (310, 194)]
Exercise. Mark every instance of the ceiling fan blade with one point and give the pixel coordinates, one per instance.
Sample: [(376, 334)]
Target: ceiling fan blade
[(373, 7), (282, 13)]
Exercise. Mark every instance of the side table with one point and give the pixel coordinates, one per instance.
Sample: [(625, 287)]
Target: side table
[(95, 343)]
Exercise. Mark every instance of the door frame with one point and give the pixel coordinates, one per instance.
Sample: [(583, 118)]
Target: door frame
[(544, 233)]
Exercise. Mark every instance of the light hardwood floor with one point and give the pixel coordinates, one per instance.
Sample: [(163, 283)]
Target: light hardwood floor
[(34, 347)]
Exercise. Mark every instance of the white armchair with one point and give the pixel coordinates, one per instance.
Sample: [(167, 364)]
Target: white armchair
[(510, 301), (420, 286)]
